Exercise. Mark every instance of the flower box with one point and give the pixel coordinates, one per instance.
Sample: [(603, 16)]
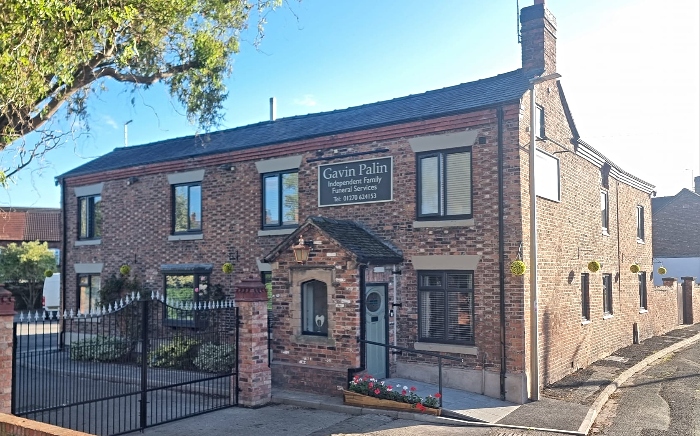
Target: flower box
[(360, 400)]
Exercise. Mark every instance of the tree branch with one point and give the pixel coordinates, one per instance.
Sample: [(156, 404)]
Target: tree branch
[(144, 80)]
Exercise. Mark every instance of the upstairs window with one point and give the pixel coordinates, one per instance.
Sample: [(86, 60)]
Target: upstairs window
[(539, 122), (445, 184), (640, 223), (90, 217), (604, 211), (280, 199), (187, 208), (607, 294), (446, 306)]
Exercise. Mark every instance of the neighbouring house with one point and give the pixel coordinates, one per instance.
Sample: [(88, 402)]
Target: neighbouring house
[(24, 224), (411, 212), (676, 221)]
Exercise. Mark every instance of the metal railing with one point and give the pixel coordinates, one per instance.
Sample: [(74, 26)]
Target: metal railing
[(424, 353)]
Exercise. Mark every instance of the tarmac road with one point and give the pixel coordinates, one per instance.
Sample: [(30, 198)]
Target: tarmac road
[(663, 400)]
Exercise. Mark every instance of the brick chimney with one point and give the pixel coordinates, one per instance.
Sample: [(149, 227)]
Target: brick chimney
[(697, 184), (538, 31)]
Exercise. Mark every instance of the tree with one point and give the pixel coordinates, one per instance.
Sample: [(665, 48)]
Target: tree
[(25, 265), (57, 52)]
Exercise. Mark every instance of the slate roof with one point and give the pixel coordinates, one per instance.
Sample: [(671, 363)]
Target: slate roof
[(659, 202), (351, 235), (26, 224), (432, 104)]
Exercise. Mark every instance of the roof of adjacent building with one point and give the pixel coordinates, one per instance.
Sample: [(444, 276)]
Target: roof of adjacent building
[(432, 104), (352, 236), (659, 203), (28, 224)]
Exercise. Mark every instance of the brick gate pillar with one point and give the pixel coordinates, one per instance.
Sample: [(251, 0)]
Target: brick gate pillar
[(254, 377), (7, 315)]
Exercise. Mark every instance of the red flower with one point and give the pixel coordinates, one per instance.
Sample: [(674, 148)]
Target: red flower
[(438, 395), (388, 386), (366, 377), (403, 392), (370, 384), (413, 388), (420, 407), (376, 391)]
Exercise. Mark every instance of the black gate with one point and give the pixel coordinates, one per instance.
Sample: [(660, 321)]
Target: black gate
[(138, 363)]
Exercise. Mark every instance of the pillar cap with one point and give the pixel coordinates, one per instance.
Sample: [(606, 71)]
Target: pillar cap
[(250, 289)]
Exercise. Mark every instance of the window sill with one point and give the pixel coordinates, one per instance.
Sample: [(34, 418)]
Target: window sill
[(324, 341), (607, 316), (444, 223), (643, 311), (186, 237), (640, 241), (446, 348), (585, 322), (277, 232), (82, 242), (605, 233)]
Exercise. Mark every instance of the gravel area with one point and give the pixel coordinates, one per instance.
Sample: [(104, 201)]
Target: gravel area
[(584, 385)]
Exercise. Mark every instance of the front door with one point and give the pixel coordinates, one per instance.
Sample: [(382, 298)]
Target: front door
[(376, 329)]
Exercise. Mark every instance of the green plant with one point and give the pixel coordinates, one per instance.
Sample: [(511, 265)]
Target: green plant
[(662, 270), (115, 288), (48, 273), (372, 387), (594, 266), (227, 268), (124, 270), (518, 267), (216, 358), (178, 353), (634, 268), (99, 349)]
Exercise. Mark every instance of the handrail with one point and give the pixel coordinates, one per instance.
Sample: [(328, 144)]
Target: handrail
[(426, 353)]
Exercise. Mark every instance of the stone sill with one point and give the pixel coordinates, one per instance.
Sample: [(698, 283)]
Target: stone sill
[(640, 241), (605, 233), (608, 316), (277, 232), (444, 223), (585, 322), (643, 311), (446, 348), (186, 237), (83, 242)]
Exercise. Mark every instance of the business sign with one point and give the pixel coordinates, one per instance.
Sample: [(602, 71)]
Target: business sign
[(360, 181)]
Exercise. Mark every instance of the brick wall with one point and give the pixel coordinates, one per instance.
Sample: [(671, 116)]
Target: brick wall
[(16, 426)]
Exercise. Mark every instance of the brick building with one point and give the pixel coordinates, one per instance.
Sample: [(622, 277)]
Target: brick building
[(30, 224), (412, 211), (676, 221)]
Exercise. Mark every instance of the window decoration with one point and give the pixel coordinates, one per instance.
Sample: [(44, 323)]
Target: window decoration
[(280, 199), (446, 306), (90, 217), (187, 208), (314, 308), (518, 267), (445, 184)]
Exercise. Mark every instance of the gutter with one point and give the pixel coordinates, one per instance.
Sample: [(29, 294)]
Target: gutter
[(501, 255)]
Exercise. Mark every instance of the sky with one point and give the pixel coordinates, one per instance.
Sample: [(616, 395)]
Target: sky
[(630, 71)]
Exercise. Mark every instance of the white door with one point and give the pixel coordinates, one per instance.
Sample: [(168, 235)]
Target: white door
[(376, 330)]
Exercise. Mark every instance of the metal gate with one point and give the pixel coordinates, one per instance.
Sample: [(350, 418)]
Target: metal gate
[(137, 363)]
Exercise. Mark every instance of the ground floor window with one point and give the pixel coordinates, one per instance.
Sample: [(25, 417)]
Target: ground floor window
[(585, 298), (314, 308), (89, 292), (183, 290), (643, 290), (607, 294), (446, 306)]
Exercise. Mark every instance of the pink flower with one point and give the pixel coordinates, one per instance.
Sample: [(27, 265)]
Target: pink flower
[(376, 391), (438, 395), (371, 385), (196, 290), (389, 388), (413, 388), (403, 392)]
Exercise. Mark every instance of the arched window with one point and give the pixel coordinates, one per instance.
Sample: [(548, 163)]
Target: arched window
[(314, 308)]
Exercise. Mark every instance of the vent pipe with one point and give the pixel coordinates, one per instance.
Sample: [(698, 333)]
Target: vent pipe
[(273, 109)]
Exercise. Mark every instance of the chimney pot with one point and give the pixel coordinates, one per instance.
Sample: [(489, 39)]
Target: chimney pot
[(539, 2), (697, 184), (273, 109)]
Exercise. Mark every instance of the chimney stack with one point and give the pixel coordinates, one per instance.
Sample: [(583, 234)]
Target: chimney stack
[(697, 184), (538, 39), (273, 109)]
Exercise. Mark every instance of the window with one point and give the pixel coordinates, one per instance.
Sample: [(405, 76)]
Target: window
[(547, 176), (643, 290), (585, 298), (314, 308), (280, 199), (539, 122), (607, 294), (90, 217), (183, 290), (640, 223), (187, 208), (266, 278), (604, 211), (446, 306), (88, 292), (445, 184)]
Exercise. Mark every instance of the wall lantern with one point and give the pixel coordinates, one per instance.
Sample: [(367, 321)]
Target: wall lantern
[(301, 250)]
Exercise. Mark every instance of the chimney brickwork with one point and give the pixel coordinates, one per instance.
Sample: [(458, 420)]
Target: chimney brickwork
[(538, 40)]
